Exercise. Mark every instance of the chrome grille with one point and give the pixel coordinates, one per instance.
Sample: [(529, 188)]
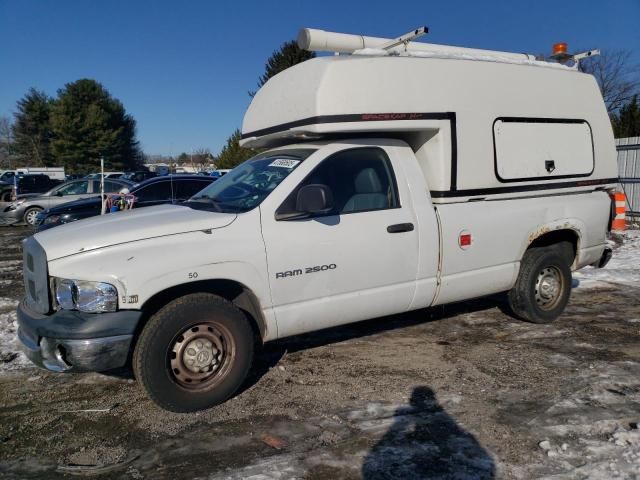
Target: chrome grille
[(36, 285)]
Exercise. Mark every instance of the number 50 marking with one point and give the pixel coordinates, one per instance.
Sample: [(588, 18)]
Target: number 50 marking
[(193, 274)]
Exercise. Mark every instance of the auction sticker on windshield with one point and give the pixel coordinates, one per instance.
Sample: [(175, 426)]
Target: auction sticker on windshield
[(284, 163)]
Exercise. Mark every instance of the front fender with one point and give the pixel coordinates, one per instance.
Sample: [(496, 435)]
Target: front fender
[(142, 269)]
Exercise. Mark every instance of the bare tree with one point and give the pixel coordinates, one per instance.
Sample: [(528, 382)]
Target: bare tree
[(200, 158), (6, 142), (618, 78)]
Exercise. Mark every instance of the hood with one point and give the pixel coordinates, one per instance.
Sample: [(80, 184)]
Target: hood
[(76, 205), (29, 196), (127, 226)]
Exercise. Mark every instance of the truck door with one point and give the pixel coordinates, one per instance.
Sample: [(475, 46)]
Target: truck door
[(357, 261)]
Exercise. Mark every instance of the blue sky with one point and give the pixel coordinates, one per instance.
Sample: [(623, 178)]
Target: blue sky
[(183, 68)]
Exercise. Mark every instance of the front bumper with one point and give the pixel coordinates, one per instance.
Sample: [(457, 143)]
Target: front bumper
[(11, 217), (71, 341)]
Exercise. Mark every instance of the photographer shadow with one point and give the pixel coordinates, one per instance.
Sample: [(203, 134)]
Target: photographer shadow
[(425, 442)]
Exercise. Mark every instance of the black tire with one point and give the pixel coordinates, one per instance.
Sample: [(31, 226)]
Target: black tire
[(30, 216), (6, 196), (169, 341), (543, 287)]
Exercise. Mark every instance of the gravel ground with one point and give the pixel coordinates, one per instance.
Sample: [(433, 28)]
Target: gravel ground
[(457, 392)]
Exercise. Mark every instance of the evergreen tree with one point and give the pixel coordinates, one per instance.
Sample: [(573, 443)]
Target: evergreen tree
[(288, 56), (32, 129), (232, 153), (7, 145), (627, 122), (88, 123)]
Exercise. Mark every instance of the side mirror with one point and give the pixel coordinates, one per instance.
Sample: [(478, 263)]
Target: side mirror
[(314, 199), (311, 200), (59, 194)]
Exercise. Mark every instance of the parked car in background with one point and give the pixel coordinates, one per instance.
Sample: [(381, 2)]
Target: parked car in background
[(139, 176), (159, 169), (25, 184), (106, 175), (220, 172), (73, 176), (27, 207), (155, 191)]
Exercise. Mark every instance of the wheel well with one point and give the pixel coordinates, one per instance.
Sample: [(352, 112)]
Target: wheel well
[(233, 291), (33, 206), (559, 237)]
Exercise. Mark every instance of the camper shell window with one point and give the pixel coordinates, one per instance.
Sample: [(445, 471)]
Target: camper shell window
[(542, 148)]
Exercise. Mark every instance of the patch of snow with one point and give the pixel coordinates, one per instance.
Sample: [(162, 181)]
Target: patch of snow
[(10, 265), (10, 355), (7, 304), (280, 467), (592, 432), (624, 267)]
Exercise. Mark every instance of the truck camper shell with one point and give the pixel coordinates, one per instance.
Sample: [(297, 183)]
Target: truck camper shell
[(480, 127)]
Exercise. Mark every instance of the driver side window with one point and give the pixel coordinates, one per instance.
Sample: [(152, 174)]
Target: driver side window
[(360, 179), (75, 188)]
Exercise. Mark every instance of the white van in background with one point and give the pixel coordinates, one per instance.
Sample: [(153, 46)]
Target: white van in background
[(54, 173)]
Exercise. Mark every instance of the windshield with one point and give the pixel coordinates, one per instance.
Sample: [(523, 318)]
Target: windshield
[(247, 185)]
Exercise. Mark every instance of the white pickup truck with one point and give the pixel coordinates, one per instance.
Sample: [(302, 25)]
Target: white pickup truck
[(389, 182)]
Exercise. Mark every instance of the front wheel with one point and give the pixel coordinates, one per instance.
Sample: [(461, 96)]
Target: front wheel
[(6, 196), (194, 353), (31, 216), (543, 287)]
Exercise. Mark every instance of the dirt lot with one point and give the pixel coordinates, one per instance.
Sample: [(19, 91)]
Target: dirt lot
[(457, 392)]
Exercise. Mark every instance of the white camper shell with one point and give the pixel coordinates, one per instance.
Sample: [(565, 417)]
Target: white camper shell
[(478, 128), (388, 183)]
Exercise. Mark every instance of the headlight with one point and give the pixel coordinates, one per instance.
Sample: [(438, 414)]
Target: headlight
[(16, 204), (51, 219), (89, 297)]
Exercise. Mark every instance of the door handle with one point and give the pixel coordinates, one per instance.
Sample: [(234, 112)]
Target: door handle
[(400, 227)]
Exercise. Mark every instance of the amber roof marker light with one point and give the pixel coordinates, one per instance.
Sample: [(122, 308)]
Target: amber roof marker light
[(560, 53)]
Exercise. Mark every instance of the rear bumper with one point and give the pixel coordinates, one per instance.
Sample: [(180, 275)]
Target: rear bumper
[(604, 259), (69, 341)]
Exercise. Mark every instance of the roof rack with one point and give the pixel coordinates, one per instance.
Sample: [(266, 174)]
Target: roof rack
[(322, 41)]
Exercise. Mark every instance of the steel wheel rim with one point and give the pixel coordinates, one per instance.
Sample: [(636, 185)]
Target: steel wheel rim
[(31, 216), (549, 287), (201, 355)]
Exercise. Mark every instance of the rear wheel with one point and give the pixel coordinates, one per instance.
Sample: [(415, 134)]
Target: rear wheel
[(194, 353), (6, 196), (30, 216), (543, 287)]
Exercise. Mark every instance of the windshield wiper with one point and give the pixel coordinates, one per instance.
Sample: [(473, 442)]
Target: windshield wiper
[(195, 203)]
